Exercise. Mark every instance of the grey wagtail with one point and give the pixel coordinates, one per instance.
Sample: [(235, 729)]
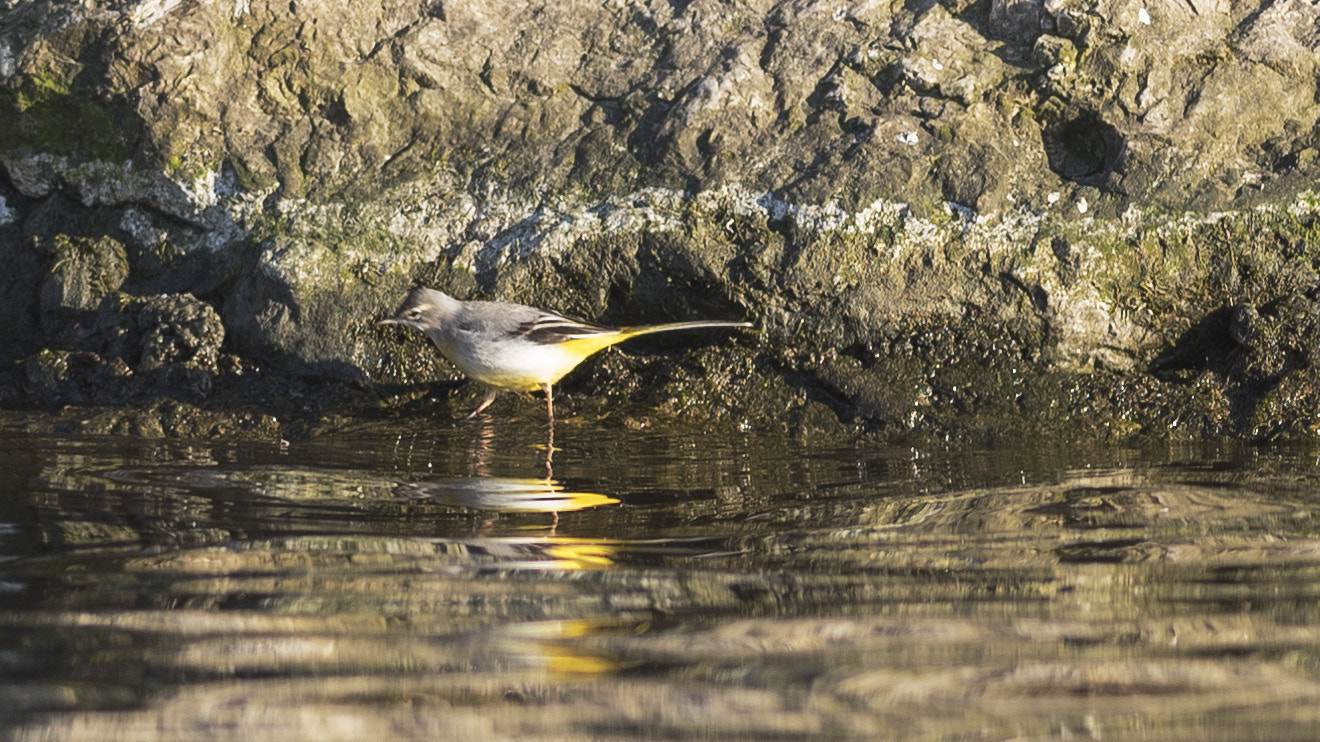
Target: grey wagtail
[(512, 347)]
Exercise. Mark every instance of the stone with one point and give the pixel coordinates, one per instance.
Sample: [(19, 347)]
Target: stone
[(1050, 188)]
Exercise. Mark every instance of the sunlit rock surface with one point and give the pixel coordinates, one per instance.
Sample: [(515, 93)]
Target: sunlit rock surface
[(946, 219)]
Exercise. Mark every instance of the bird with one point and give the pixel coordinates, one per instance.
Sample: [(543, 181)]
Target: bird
[(514, 347)]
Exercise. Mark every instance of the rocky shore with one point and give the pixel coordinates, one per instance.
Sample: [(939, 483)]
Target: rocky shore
[(953, 221)]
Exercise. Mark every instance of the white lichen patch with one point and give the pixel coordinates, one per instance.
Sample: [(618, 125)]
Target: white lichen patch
[(149, 12), (203, 191), (1306, 204), (311, 247)]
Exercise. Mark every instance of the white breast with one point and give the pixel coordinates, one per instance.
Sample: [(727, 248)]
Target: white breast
[(515, 365)]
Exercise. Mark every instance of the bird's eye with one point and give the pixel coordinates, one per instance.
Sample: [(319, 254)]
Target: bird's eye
[(414, 313)]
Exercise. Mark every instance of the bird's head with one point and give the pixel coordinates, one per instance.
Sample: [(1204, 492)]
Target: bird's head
[(423, 309)]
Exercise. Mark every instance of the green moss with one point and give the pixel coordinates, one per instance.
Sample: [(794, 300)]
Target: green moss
[(40, 89), (44, 111)]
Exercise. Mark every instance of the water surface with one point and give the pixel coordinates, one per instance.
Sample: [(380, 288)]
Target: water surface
[(418, 579)]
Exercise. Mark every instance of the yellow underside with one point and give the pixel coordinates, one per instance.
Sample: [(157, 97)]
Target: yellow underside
[(544, 365)]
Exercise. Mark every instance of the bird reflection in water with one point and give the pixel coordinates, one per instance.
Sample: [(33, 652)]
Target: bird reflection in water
[(483, 491), (505, 494)]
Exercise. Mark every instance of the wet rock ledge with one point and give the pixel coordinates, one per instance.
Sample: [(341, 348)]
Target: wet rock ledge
[(949, 220)]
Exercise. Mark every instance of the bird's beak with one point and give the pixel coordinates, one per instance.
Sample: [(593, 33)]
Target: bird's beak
[(390, 321)]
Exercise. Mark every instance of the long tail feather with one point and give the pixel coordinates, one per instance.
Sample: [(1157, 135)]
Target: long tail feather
[(588, 344), (666, 327)]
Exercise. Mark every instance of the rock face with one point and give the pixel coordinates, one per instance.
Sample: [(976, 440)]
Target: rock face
[(949, 218), (133, 347)]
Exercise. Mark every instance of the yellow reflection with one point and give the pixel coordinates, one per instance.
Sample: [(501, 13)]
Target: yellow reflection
[(550, 552), (561, 660), (582, 554), (539, 643), (572, 628), (506, 494)]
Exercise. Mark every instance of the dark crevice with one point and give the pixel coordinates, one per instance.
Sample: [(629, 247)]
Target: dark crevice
[(1083, 148)]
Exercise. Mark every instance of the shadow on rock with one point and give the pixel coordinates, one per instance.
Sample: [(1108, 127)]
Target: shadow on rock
[(130, 348), (1265, 357)]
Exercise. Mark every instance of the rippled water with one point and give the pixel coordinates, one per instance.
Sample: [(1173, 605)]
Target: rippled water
[(463, 584)]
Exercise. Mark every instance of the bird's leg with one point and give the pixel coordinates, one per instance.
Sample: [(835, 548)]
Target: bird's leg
[(549, 437), (485, 402)]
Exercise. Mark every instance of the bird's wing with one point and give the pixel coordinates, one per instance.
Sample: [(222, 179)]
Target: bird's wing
[(550, 328)]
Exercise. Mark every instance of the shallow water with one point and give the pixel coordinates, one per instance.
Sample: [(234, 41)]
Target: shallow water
[(462, 584)]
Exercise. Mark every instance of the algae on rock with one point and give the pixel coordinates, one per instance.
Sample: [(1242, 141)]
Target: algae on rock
[(946, 219)]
